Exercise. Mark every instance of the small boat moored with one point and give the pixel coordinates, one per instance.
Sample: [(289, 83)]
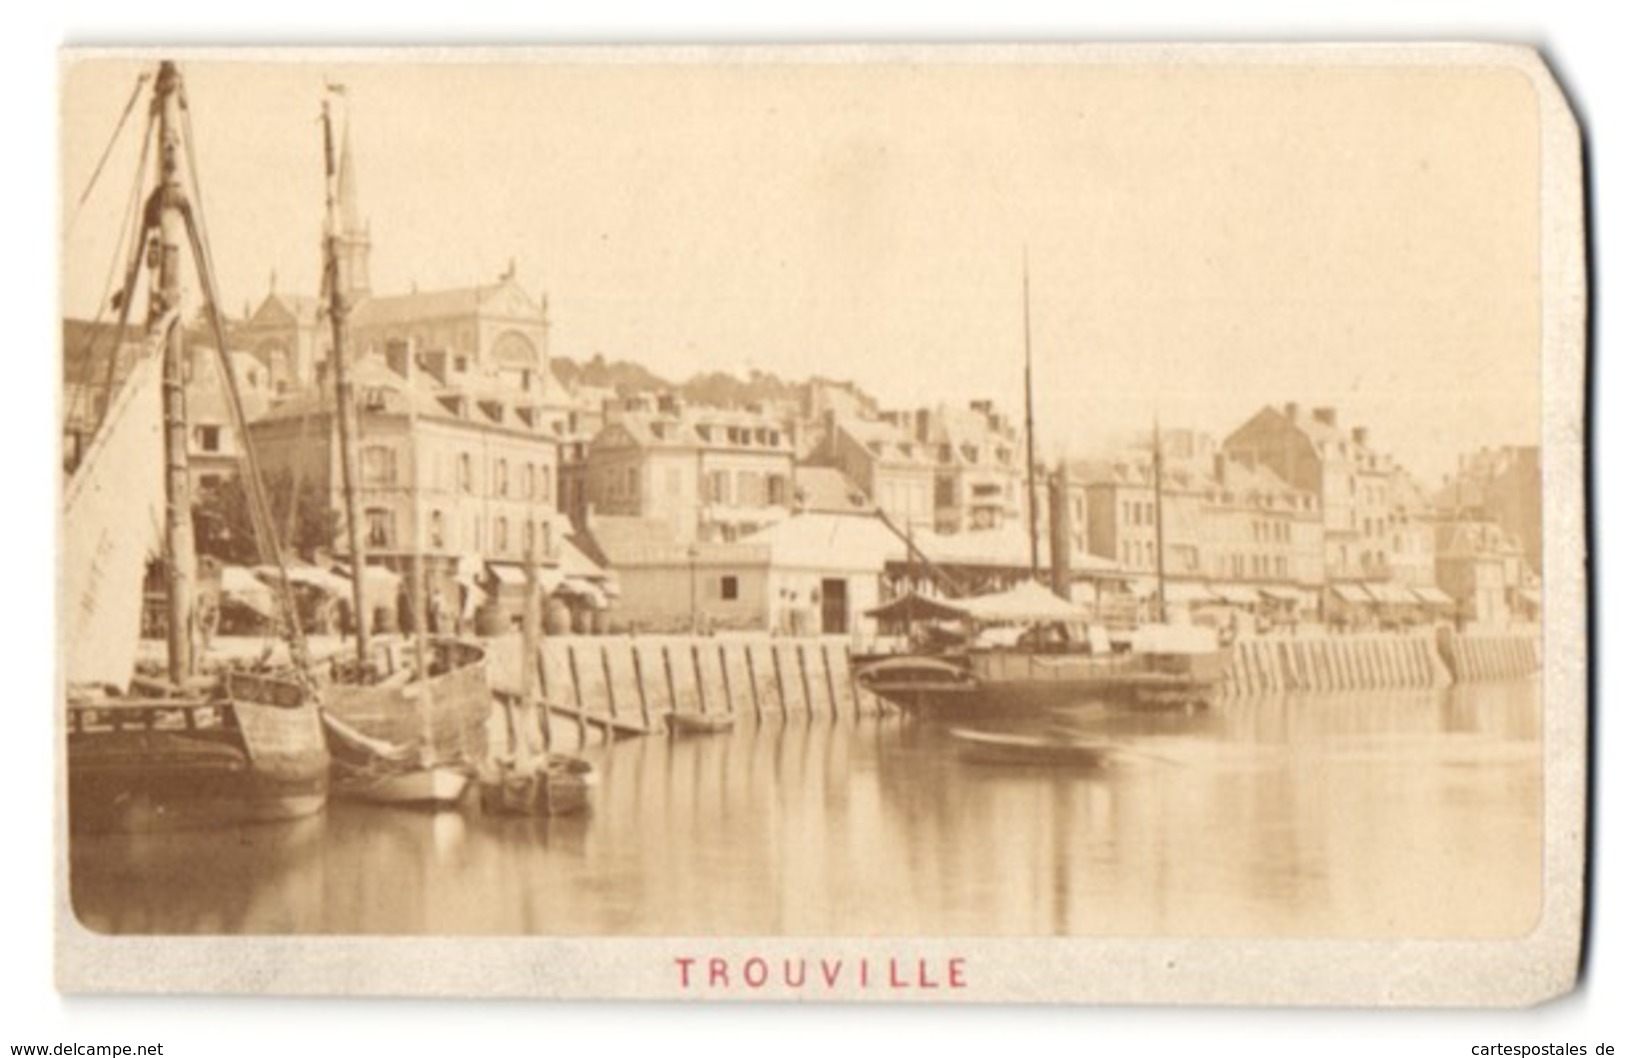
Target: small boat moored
[(699, 723)]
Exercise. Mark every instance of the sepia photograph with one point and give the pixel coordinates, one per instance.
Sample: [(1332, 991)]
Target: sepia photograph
[(971, 524)]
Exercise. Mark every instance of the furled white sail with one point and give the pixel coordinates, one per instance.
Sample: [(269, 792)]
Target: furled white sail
[(112, 522)]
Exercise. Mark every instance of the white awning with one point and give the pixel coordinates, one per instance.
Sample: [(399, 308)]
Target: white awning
[(1433, 596), (1240, 594), (1390, 593), (1351, 593), (507, 572)]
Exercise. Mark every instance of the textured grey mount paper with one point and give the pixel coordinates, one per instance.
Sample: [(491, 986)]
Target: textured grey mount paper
[(1517, 970)]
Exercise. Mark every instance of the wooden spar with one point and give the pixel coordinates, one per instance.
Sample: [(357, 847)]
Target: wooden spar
[(168, 203), (935, 572), (338, 312), (420, 634), (530, 657), (1156, 498), (1032, 462)]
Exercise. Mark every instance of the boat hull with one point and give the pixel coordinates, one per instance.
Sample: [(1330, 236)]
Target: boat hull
[(435, 787), (1004, 748), (441, 719), (562, 788), (1001, 682), (699, 723), (255, 755)]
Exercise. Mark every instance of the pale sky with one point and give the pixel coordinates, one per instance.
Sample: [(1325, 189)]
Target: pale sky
[(1201, 240)]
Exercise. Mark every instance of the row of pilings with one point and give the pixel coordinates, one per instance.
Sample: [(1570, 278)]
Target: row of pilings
[(630, 684), (1428, 658)]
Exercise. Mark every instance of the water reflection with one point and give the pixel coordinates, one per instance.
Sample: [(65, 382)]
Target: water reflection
[(1403, 814)]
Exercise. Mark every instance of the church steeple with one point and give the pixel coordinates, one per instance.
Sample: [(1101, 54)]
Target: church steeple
[(354, 237)]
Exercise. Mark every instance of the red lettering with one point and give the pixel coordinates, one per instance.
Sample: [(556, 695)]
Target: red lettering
[(925, 978), (956, 972), (863, 973), (682, 968), (759, 977), (790, 978), (719, 973), (832, 973), (896, 982)]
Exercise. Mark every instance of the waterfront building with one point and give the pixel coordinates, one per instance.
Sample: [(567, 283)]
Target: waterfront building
[(462, 474), (885, 458), (712, 474), (1232, 534), (1481, 567), (1351, 482), (1500, 485), (214, 448)]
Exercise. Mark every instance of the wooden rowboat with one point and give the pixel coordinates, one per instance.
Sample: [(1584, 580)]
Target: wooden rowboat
[(699, 723)]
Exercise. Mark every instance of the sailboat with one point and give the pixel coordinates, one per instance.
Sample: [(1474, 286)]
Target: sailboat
[(404, 726), (1061, 657), (243, 745)]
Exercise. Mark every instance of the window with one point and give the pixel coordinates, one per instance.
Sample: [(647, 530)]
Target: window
[(437, 529), (465, 472), (208, 438), (499, 535), (530, 538), (527, 482), (377, 465), (730, 588), (776, 490), (502, 477), (380, 527)]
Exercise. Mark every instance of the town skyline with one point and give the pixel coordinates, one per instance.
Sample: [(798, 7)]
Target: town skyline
[(1387, 268)]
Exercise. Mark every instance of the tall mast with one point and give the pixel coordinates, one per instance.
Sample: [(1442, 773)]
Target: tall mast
[(1032, 462), (1156, 497), (164, 312), (338, 311)]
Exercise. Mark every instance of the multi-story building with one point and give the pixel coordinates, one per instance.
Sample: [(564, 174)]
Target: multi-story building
[(1223, 522), (885, 458), (1500, 485), (713, 474), (456, 473), (980, 467), (215, 448), (1352, 483), (1480, 565), (945, 469)]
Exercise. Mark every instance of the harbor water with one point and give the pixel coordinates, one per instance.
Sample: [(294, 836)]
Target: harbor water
[(1399, 813)]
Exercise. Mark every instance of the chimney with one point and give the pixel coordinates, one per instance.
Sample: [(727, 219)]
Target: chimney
[(1219, 468), (1328, 416), (922, 425), (1361, 435), (1292, 411)]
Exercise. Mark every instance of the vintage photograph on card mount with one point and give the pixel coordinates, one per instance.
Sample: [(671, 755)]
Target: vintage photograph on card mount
[(969, 524)]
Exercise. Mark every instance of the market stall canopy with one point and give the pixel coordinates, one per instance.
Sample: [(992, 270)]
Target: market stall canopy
[(1433, 596), (309, 576), (241, 585), (1351, 593), (915, 607)]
